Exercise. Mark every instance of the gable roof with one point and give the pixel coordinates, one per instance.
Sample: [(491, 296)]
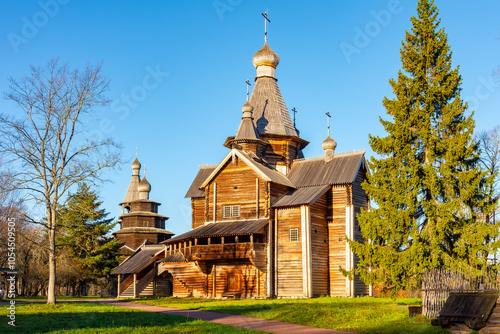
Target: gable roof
[(141, 258), (267, 173), (306, 195), (314, 172), (203, 173), (233, 227)]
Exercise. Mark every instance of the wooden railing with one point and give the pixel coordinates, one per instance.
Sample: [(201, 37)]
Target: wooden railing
[(216, 251), (126, 283), (144, 282)]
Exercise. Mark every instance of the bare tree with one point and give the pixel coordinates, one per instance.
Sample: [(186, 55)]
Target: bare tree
[(489, 144), (47, 147)]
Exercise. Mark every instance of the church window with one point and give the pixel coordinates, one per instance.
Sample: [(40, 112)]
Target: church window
[(229, 211), (236, 210), (294, 234), (145, 223)]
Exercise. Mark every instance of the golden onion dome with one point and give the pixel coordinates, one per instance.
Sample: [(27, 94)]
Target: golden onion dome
[(144, 185), (247, 108), (329, 144), (136, 164), (265, 56)]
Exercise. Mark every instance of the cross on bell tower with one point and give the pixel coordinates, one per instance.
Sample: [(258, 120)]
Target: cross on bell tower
[(294, 112), (248, 86), (266, 19), (329, 116)]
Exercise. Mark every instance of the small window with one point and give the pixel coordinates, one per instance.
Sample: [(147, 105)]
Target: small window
[(294, 234), (227, 211), (231, 211), (145, 223), (236, 210)]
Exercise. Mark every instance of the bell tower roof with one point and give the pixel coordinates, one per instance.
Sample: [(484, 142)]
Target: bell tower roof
[(247, 130), (133, 188)]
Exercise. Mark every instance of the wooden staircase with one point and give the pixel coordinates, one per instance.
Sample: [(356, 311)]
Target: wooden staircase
[(190, 276), (144, 288)]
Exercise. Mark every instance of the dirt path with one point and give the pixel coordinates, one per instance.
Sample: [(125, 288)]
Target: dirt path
[(228, 319)]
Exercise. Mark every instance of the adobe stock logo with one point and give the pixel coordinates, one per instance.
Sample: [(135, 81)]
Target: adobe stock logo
[(363, 37), (222, 6), (40, 19)]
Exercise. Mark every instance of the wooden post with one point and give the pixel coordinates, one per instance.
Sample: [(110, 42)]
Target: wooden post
[(215, 202), (154, 279), (135, 285), (214, 280), (119, 283), (258, 281), (257, 197), (275, 257)]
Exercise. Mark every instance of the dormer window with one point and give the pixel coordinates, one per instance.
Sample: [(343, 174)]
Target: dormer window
[(230, 211)]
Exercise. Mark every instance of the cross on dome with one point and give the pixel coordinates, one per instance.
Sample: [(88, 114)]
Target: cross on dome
[(266, 19)]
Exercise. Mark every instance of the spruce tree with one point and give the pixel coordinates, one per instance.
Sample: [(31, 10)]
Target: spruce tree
[(428, 194), (85, 233)]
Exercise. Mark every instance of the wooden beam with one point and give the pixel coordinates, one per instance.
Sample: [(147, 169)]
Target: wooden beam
[(257, 197), (135, 285), (306, 250), (214, 281), (119, 282), (215, 202), (309, 253), (275, 257)]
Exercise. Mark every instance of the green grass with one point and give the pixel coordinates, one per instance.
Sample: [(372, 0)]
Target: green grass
[(57, 297), (87, 317), (362, 315)]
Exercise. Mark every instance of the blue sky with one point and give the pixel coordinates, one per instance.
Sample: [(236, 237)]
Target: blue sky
[(178, 68)]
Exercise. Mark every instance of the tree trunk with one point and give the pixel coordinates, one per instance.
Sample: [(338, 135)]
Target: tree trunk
[(51, 291)]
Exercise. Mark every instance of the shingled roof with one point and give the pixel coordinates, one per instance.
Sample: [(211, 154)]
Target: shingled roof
[(195, 191), (234, 227), (315, 172), (270, 112), (140, 259), (306, 195)]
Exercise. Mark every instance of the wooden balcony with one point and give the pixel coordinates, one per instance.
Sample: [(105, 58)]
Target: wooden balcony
[(216, 249)]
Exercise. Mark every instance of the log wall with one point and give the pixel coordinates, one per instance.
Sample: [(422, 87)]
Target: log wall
[(289, 254), (252, 280), (197, 212), (237, 184), (319, 247)]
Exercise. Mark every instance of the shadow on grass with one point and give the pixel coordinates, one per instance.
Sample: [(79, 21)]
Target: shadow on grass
[(364, 315), (98, 318)]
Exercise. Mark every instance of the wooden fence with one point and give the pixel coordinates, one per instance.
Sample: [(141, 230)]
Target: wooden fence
[(437, 284)]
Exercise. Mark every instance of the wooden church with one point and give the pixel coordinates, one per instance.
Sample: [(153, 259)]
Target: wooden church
[(266, 222)]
